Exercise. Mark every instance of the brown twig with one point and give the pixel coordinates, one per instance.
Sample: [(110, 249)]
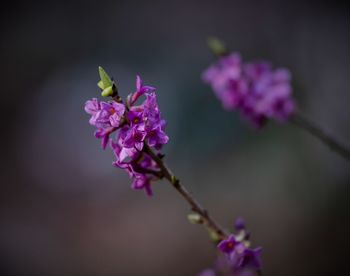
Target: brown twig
[(324, 135), (195, 205)]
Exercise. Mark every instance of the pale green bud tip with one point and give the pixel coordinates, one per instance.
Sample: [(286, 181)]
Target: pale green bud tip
[(107, 91), (100, 84), (194, 218), (216, 46), (213, 235), (105, 79)]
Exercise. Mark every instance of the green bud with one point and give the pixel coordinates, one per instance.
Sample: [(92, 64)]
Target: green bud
[(216, 46), (107, 92), (100, 84), (213, 235), (194, 218), (174, 179), (105, 79)]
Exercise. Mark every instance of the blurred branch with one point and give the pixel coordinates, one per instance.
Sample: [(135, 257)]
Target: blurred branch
[(219, 49), (324, 135), (195, 205)]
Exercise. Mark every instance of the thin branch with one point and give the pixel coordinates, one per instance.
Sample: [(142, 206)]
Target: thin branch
[(196, 207), (324, 135), (140, 169)]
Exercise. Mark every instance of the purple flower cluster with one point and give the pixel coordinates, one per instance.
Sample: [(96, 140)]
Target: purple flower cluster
[(256, 90), (239, 258), (135, 127)]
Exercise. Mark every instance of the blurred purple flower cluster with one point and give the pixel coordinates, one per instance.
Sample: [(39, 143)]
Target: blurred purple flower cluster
[(135, 127), (239, 258), (256, 90)]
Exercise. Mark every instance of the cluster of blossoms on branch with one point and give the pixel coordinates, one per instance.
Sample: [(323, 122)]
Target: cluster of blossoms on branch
[(133, 126), (135, 133), (238, 257), (255, 89)]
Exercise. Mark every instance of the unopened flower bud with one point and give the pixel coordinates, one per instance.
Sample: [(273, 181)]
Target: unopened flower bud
[(195, 218), (107, 91)]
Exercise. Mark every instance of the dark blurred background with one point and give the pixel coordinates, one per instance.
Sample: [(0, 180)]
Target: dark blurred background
[(66, 211)]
